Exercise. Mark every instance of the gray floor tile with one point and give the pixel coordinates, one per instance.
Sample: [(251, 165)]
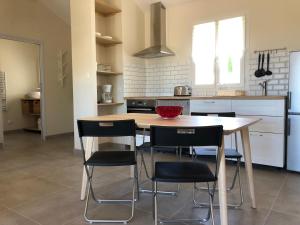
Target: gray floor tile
[(40, 184), (9, 217), (53, 209), (277, 218)]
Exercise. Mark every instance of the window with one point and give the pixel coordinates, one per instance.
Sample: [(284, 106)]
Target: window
[(218, 50)]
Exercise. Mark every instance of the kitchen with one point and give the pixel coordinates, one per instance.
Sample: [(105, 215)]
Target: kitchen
[(226, 69), (260, 96), (207, 57)]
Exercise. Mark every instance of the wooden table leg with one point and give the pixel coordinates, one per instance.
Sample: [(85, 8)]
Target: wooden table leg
[(222, 187), (248, 163), (88, 152)]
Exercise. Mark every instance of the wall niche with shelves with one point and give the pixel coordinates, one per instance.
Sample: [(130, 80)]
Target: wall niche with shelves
[(109, 54)]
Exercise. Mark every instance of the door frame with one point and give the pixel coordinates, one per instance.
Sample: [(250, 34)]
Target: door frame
[(42, 75)]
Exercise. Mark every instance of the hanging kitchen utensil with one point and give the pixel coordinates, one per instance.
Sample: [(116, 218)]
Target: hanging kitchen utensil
[(262, 71), (257, 72), (268, 72)]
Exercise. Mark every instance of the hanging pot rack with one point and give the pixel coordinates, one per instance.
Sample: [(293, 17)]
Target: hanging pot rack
[(270, 50)]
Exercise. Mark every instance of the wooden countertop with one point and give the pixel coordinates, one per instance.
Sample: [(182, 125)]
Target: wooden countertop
[(209, 97), (229, 124)]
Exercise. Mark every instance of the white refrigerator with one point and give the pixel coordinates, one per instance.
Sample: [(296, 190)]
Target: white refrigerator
[(293, 139)]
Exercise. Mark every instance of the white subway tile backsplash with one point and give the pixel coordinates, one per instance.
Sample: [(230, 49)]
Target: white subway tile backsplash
[(284, 70), (279, 76), (159, 79), (278, 65), (278, 82)]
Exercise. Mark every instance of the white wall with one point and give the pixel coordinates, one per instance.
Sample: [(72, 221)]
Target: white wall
[(270, 24), (134, 41), (84, 61), (20, 63), (84, 51), (32, 20)]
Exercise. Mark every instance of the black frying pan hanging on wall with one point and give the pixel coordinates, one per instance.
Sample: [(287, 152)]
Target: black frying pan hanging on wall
[(268, 72), (260, 72), (258, 69)]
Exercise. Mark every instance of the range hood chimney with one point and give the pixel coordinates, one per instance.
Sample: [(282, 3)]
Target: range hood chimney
[(158, 46)]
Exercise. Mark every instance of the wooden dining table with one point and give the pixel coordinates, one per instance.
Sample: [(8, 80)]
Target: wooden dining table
[(230, 125)]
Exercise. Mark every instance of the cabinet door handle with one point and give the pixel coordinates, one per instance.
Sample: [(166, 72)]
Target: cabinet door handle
[(289, 100), (257, 135), (210, 102)]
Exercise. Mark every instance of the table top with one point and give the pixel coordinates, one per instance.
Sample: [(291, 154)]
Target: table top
[(230, 124)]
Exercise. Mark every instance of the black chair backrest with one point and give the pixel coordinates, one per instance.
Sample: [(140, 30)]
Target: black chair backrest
[(119, 128), (186, 136), (219, 114)]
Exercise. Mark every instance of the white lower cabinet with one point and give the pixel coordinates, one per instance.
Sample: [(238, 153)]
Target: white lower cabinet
[(266, 137), (214, 105), (267, 148)]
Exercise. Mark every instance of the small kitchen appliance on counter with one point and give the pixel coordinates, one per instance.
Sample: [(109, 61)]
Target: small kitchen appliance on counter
[(183, 91), (106, 93)]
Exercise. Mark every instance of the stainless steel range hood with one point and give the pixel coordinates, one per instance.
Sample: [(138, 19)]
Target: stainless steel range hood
[(158, 34)]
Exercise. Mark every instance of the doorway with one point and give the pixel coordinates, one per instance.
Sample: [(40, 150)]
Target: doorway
[(21, 87)]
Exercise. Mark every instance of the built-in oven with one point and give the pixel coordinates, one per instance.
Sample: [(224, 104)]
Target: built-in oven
[(141, 106)]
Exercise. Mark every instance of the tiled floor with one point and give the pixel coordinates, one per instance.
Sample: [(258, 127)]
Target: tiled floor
[(40, 184)]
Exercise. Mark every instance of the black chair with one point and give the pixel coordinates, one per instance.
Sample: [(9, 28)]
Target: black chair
[(185, 171), (96, 129), (230, 153)]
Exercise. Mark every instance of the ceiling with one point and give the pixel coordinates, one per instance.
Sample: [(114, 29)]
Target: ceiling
[(165, 2), (60, 8)]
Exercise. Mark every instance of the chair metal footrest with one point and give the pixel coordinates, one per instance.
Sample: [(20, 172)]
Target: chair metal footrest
[(217, 189), (107, 201), (173, 193), (201, 221), (217, 206), (107, 221)]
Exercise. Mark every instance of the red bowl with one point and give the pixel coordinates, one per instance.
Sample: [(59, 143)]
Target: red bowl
[(169, 111)]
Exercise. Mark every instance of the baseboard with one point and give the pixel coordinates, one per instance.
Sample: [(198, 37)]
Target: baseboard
[(13, 131), (59, 135)]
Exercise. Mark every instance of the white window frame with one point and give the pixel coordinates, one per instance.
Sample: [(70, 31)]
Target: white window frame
[(216, 84)]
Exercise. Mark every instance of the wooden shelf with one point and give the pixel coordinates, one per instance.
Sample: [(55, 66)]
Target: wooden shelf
[(109, 73), (107, 42), (105, 8), (110, 104)]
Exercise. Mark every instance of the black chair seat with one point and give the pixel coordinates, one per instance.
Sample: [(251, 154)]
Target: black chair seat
[(112, 158), (211, 153), (146, 147), (182, 172)]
